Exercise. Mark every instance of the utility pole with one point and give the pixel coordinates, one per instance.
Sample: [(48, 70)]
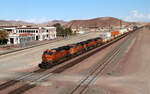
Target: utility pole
[(120, 24), (95, 26), (109, 27)]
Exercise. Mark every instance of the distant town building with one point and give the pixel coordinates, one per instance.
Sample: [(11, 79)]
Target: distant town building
[(18, 35)]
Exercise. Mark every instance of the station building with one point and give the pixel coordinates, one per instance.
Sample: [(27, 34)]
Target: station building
[(23, 34)]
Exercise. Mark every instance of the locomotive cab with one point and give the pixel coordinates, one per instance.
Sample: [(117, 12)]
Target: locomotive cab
[(48, 56)]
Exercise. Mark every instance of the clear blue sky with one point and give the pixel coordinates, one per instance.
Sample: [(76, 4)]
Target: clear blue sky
[(42, 10)]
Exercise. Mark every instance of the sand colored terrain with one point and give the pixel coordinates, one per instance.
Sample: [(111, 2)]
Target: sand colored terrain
[(131, 74)]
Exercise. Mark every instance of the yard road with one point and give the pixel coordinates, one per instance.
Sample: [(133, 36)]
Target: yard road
[(32, 57)]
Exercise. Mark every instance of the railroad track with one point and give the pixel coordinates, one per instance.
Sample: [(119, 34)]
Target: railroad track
[(18, 79), (45, 76), (23, 77), (82, 87)]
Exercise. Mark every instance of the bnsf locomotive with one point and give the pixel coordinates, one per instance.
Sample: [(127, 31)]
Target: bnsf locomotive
[(57, 55)]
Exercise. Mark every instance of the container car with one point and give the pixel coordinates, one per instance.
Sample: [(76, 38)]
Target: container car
[(106, 36), (115, 33)]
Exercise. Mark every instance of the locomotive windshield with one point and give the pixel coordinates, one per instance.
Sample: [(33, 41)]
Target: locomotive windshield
[(46, 52), (50, 53)]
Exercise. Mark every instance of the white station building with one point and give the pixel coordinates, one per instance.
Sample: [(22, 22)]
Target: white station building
[(18, 35)]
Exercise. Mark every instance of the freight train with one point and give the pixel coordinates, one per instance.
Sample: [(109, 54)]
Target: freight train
[(57, 55)]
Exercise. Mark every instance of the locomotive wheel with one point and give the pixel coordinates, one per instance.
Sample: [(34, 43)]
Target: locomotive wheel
[(48, 66), (73, 55), (45, 66), (68, 57), (83, 51)]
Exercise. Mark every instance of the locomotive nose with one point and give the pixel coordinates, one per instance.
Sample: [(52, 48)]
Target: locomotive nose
[(44, 58)]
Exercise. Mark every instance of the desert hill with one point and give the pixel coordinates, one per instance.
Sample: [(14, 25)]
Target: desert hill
[(97, 22)]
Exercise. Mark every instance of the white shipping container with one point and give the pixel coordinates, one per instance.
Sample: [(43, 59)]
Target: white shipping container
[(122, 31), (130, 29), (105, 36)]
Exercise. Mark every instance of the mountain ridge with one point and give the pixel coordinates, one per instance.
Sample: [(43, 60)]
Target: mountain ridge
[(88, 23)]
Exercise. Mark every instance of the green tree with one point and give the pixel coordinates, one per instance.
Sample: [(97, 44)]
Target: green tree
[(3, 36), (68, 31), (61, 31)]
